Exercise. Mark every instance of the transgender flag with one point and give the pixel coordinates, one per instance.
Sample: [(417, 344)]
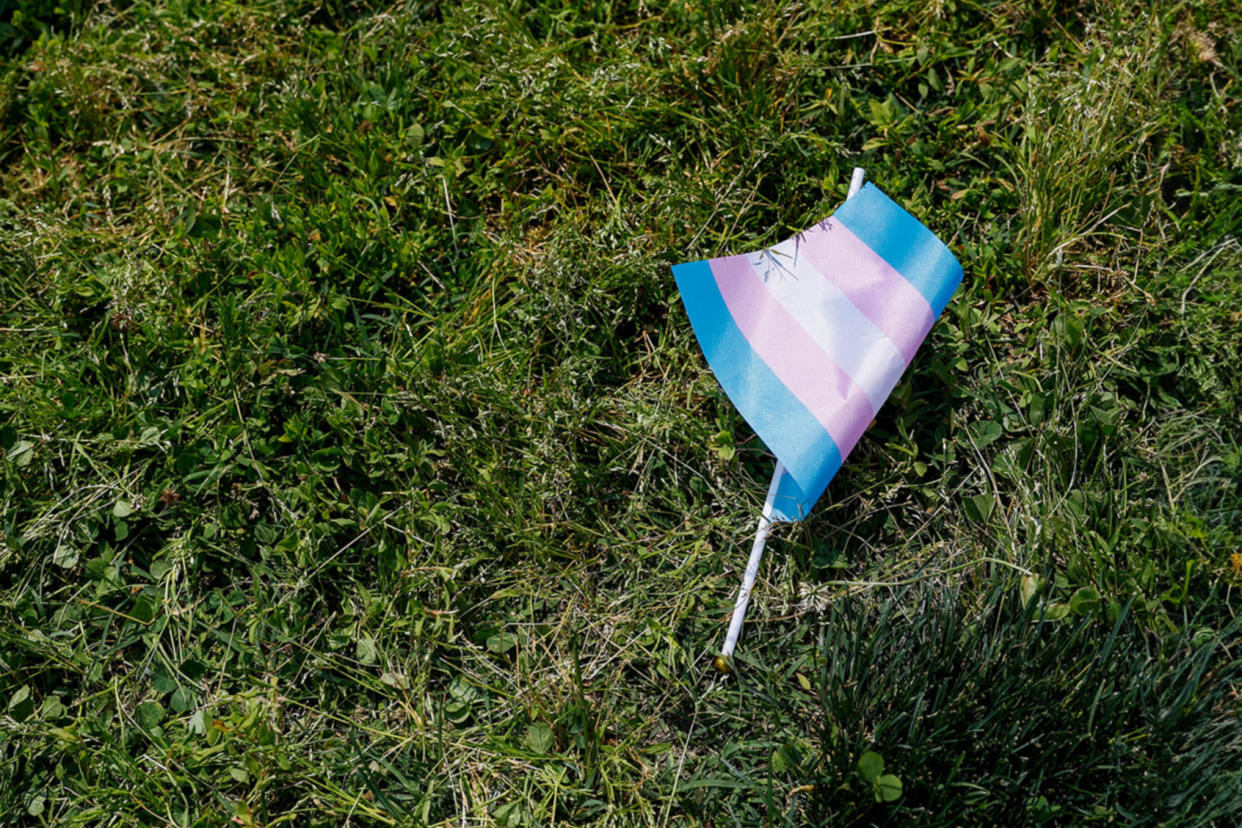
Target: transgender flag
[(809, 337)]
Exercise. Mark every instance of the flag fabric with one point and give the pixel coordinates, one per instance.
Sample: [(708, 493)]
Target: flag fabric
[(809, 337)]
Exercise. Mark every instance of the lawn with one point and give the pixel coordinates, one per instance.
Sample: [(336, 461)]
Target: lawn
[(358, 464)]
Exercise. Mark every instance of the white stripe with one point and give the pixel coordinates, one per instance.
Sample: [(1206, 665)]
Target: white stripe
[(848, 337)]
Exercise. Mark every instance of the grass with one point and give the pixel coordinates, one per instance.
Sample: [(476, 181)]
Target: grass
[(360, 466)]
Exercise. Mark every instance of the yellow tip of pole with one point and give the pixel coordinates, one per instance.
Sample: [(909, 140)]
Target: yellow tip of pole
[(723, 664)]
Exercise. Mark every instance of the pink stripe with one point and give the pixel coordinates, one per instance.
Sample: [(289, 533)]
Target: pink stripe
[(839, 405), (882, 294)]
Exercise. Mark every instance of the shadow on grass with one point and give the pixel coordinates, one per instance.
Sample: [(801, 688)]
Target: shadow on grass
[(992, 711)]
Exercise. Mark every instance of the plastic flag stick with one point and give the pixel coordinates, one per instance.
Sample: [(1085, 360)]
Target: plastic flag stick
[(765, 526)]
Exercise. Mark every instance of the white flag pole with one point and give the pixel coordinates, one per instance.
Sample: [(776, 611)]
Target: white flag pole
[(724, 660), (856, 182)]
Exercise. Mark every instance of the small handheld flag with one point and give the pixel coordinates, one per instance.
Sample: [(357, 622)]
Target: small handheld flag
[(810, 336)]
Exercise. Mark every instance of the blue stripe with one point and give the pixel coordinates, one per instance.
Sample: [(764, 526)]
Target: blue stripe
[(790, 431), (791, 503), (902, 241)]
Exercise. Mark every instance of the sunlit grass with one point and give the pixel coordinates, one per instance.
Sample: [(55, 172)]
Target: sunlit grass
[(361, 466)]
